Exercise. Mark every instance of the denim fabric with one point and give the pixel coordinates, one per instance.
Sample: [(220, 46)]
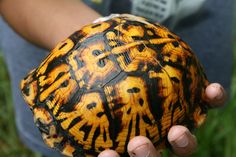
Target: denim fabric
[(20, 57), (101, 6), (208, 33)]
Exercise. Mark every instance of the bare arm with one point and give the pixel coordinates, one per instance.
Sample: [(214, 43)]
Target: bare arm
[(46, 22)]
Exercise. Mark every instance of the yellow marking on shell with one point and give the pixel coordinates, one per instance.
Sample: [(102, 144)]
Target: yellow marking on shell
[(171, 90), (145, 68), (112, 43), (131, 101), (199, 118), (126, 39), (52, 138), (121, 61), (50, 78), (132, 47), (55, 53), (33, 90), (146, 56), (57, 104), (89, 59), (184, 45), (172, 72), (68, 150), (161, 40), (43, 115), (126, 35), (80, 73), (79, 135), (131, 30), (170, 48), (174, 57), (89, 30), (29, 84), (75, 55), (162, 31), (81, 84), (119, 20), (123, 48), (128, 46), (110, 35), (91, 119), (108, 90), (88, 119), (129, 17), (53, 87), (172, 94), (63, 94), (52, 103), (152, 74), (150, 33), (93, 70), (194, 84), (68, 118), (167, 88), (178, 115), (103, 55), (42, 79)]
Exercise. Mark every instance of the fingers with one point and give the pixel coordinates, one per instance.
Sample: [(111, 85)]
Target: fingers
[(108, 153), (216, 95), (141, 146), (182, 141)]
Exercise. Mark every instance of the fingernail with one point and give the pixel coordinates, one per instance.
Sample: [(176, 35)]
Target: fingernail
[(141, 151), (181, 141), (220, 94)]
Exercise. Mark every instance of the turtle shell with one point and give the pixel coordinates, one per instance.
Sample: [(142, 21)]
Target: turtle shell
[(111, 81)]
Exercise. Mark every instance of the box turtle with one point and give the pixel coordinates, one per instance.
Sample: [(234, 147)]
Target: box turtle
[(113, 80)]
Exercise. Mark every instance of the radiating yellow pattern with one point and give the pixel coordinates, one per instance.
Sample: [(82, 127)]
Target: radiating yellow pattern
[(114, 80)]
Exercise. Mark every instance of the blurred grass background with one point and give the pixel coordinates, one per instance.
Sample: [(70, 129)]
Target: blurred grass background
[(10, 145), (217, 138)]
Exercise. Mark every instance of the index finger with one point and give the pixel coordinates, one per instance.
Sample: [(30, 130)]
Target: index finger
[(216, 95), (141, 146)]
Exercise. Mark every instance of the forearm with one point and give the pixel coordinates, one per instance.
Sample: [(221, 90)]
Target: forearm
[(46, 22)]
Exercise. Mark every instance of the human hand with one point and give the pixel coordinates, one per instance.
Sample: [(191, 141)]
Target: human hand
[(182, 141)]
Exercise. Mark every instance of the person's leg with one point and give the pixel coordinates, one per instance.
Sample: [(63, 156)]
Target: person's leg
[(210, 35), (21, 57), (209, 32)]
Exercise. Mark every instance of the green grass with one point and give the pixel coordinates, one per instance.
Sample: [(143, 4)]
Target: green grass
[(10, 145), (217, 137)]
